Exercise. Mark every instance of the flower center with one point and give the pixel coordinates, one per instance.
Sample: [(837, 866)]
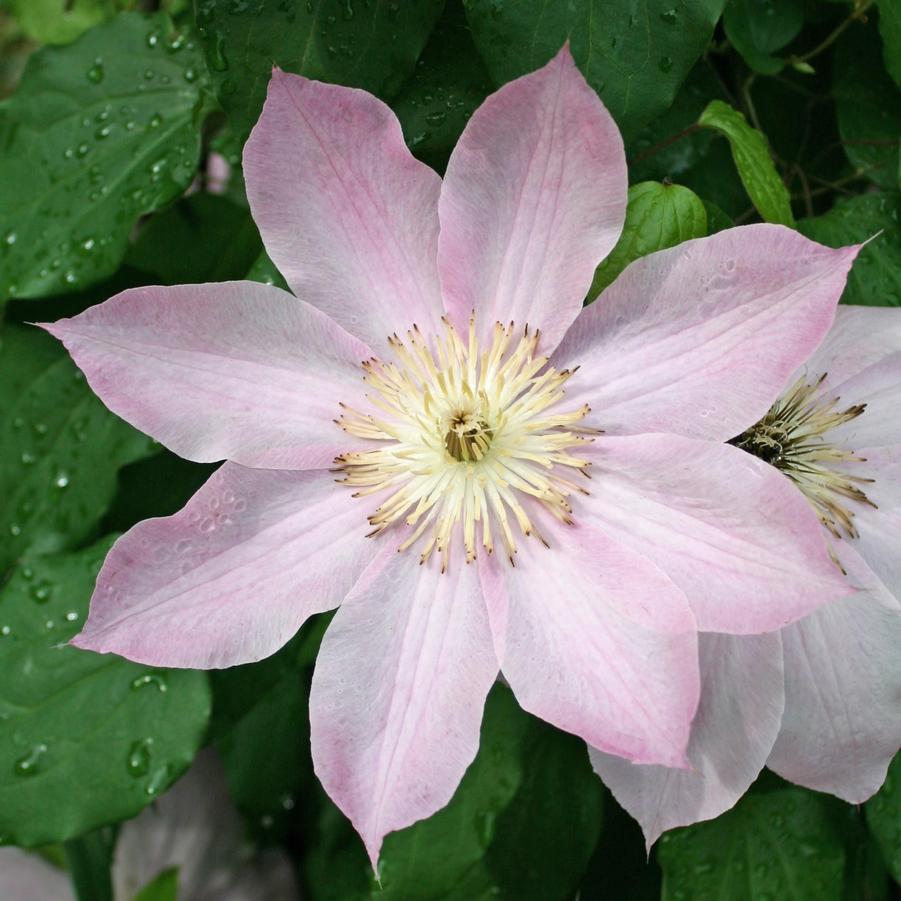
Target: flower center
[(468, 436), (469, 445), (793, 438)]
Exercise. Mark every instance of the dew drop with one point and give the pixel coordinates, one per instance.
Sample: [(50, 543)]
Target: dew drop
[(30, 764), (157, 679), (95, 74), (42, 592), (138, 761), (157, 781), (665, 63)]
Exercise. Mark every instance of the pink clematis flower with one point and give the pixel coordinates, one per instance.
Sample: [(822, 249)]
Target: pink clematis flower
[(464, 299), (820, 702)]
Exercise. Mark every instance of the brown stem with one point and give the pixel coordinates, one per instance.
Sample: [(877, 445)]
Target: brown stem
[(651, 151)]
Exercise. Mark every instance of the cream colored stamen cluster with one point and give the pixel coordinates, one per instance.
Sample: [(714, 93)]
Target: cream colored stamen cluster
[(468, 441), (793, 437)]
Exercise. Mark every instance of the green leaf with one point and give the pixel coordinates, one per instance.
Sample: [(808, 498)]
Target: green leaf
[(61, 21), (868, 106), (778, 844), (98, 133), (372, 45), (449, 82), (60, 448), (86, 738), (635, 55), (620, 867), (154, 486), (717, 220), (884, 818), (673, 146), (753, 161), (522, 824), (162, 888), (88, 858), (875, 277), (264, 699), (263, 270), (223, 242), (658, 216), (890, 29), (759, 28)]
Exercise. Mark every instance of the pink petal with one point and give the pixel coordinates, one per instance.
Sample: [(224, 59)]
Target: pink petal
[(347, 215), (231, 577), (235, 371), (879, 387), (842, 722), (397, 695), (700, 339), (731, 531), (597, 641), (879, 529), (195, 827), (28, 877), (533, 199), (742, 698), (861, 338)]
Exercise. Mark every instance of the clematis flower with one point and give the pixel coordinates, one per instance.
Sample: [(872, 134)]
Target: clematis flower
[(820, 702), (193, 830), (465, 436)]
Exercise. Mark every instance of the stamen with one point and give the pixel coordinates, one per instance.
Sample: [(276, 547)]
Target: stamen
[(466, 440), (793, 438)]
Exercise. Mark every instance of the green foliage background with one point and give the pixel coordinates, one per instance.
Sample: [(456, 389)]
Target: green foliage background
[(115, 112)]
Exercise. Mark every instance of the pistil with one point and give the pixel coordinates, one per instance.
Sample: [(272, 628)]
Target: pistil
[(471, 445), (794, 437)]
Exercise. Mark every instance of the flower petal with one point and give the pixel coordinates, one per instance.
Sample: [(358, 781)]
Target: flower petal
[(878, 387), (347, 214), (597, 641), (195, 827), (742, 698), (25, 876), (235, 371), (534, 197), (398, 691), (232, 576), (862, 337), (700, 339), (731, 531), (842, 722), (879, 529)]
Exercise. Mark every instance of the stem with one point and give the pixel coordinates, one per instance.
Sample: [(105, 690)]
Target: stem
[(646, 154), (88, 860), (830, 39), (749, 102)]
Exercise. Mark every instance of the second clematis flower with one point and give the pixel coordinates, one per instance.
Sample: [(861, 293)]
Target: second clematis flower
[(820, 702), (571, 527)]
